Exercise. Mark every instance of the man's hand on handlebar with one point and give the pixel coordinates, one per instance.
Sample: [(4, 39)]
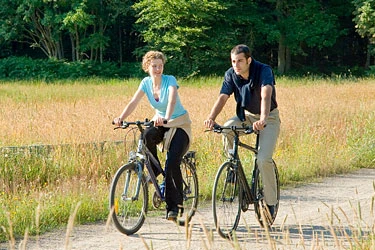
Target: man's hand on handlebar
[(259, 125), (209, 123)]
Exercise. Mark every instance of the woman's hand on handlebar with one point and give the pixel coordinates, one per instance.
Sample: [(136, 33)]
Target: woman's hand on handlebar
[(159, 121), (117, 121)]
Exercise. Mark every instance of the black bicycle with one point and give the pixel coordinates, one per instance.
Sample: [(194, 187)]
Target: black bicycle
[(129, 193), (232, 193)]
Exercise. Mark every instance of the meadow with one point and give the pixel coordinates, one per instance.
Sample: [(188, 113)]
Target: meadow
[(327, 128)]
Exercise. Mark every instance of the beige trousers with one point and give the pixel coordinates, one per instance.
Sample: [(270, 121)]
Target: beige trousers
[(267, 142)]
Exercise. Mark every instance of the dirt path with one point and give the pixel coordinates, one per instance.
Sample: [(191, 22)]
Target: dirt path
[(322, 215)]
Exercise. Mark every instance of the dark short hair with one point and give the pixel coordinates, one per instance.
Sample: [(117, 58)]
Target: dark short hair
[(241, 48)]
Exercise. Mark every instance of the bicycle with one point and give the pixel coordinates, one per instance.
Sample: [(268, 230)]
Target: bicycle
[(129, 194), (231, 191)]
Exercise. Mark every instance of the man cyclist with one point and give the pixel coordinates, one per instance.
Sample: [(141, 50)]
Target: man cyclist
[(253, 85)]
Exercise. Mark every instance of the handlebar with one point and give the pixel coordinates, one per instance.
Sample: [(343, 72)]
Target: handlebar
[(145, 123), (246, 129)]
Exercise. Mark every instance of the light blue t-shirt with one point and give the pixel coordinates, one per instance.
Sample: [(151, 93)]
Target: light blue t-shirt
[(161, 105)]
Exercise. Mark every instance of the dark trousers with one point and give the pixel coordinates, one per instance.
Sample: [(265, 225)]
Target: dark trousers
[(177, 149)]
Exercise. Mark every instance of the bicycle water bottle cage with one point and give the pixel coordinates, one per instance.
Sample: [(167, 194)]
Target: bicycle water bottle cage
[(231, 152)]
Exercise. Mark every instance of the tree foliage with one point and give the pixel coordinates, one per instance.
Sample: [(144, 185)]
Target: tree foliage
[(182, 29), (33, 22), (365, 18), (48, 24), (196, 35)]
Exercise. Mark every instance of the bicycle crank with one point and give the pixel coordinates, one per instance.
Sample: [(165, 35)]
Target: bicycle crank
[(156, 201)]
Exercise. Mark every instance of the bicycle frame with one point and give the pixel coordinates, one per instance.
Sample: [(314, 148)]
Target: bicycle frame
[(235, 159), (141, 158)]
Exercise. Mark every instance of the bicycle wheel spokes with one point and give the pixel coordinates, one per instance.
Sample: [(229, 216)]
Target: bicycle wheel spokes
[(226, 201), (128, 199), (190, 190)]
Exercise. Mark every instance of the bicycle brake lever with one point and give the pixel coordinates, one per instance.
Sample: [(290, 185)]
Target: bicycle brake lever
[(148, 123), (217, 128), (113, 123)]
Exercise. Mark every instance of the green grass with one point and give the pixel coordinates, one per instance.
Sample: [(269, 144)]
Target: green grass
[(327, 128)]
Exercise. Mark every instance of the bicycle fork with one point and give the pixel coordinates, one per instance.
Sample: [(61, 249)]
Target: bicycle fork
[(139, 171)]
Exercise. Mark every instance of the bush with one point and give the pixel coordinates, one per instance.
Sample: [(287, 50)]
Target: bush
[(25, 68)]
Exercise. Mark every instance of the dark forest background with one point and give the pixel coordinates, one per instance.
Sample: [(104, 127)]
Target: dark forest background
[(50, 39)]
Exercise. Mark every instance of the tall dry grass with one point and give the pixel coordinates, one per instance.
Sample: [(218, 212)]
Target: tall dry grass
[(327, 128)]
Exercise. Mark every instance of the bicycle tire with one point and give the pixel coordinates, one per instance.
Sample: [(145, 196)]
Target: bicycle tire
[(128, 213), (190, 191), (260, 203), (226, 200)]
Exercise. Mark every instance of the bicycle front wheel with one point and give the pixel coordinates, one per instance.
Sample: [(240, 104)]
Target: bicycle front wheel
[(262, 212), (226, 200), (128, 199), (190, 190)]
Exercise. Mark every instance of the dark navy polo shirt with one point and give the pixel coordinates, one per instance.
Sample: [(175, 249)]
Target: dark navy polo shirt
[(247, 91)]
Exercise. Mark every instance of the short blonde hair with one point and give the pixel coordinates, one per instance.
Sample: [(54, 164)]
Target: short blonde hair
[(152, 54)]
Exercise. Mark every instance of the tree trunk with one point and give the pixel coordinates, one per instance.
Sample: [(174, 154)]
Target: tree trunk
[(77, 42), (120, 43), (281, 56), (73, 48), (288, 59), (61, 47), (101, 46), (368, 54)]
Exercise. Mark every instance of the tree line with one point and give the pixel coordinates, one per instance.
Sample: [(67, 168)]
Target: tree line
[(294, 37)]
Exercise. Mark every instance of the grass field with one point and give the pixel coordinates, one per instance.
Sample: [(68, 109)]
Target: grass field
[(327, 128)]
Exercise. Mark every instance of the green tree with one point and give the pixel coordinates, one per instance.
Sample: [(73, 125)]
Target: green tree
[(94, 17), (123, 37), (48, 24), (35, 22), (76, 21), (303, 24), (182, 29), (364, 18)]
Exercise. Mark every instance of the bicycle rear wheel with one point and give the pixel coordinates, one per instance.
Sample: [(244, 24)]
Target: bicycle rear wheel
[(260, 204), (190, 190), (128, 199), (226, 200)]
